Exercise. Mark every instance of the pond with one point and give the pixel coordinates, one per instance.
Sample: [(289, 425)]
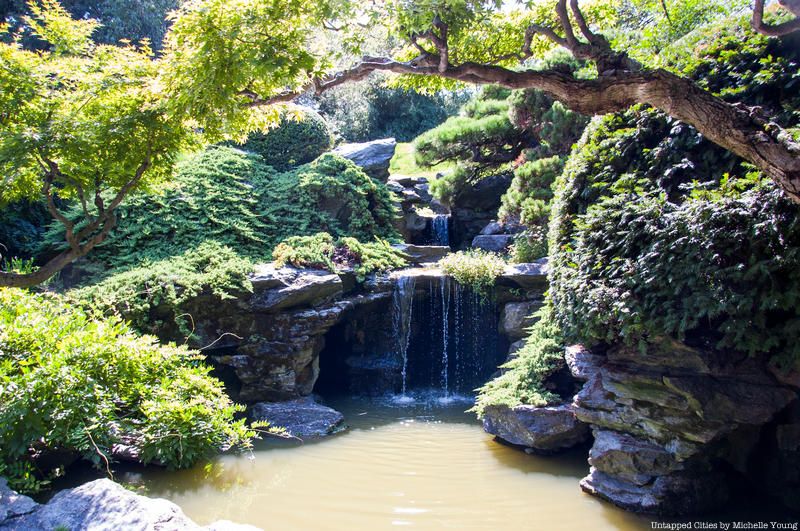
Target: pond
[(419, 464)]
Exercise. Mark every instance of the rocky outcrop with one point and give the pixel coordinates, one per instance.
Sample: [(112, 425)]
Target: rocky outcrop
[(374, 157), (664, 421), (100, 505), (539, 429), (301, 418)]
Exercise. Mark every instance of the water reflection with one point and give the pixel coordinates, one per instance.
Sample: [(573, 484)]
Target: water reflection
[(422, 466)]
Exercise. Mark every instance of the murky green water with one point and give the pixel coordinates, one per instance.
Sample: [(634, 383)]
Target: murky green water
[(396, 467)]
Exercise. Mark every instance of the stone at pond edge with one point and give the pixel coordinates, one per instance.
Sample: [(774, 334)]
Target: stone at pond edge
[(542, 429), (373, 157), (103, 505), (301, 418), (13, 505)]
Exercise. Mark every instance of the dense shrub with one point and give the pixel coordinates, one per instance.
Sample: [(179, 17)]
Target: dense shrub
[(656, 231), (474, 268), (153, 296), (523, 380), (231, 197), (323, 252), (298, 139), (22, 227), (73, 384)]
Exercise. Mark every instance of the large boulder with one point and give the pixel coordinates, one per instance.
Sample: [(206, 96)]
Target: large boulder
[(277, 289), (530, 276), (373, 157), (101, 505), (301, 418), (540, 429), (496, 243)]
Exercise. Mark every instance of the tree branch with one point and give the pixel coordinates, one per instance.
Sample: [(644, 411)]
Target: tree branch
[(776, 30)]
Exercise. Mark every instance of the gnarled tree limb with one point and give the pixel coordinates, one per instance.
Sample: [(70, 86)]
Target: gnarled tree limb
[(776, 30)]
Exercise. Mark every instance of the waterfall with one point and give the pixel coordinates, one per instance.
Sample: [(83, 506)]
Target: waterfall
[(440, 229), (445, 333), (402, 308)]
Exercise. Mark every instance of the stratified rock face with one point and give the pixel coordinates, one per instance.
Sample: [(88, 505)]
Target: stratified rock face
[(373, 157), (517, 317), (301, 418), (103, 505), (664, 418), (541, 429)]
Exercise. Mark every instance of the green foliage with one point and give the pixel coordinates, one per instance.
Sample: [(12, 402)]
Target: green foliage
[(22, 226), (296, 140), (656, 232), (526, 200), (528, 246), (475, 268), (369, 109), (76, 384), (136, 20), (321, 251), (153, 297), (231, 197), (523, 378)]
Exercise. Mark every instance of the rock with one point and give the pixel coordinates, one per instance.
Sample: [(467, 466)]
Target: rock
[(423, 192), (492, 228), (406, 181), (532, 276), (582, 363), (373, 157), (301, 418), (423, 254), (103, 505), (517, 317), (497, 243), (288, 287), (677, 495), (13, 505), (542, 429)]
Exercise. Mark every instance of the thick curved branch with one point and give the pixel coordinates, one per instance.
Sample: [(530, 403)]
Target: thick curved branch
[(776, 30), (732, 127)]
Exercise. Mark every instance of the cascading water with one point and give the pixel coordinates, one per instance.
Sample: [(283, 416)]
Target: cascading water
[(440, 229), (445, 285), (454, 344), (402, 309)]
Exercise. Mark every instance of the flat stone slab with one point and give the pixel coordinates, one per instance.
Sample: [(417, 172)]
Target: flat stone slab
[(289, 287), (542, 429), (423, 254), (301, 418)]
